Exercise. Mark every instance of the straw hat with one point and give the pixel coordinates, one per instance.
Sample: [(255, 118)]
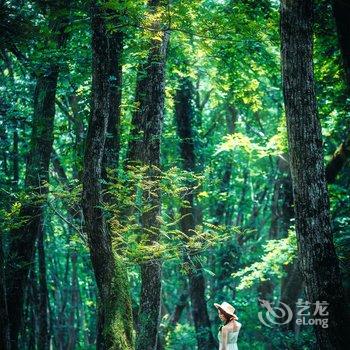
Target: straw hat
[(228, 308)]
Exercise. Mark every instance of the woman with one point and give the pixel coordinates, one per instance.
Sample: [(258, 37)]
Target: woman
[(228, 333)]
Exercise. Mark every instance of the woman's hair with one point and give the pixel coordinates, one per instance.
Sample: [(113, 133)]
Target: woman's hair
[(227, 316)]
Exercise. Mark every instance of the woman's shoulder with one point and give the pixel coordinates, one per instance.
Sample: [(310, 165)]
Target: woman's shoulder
[(229, 327)]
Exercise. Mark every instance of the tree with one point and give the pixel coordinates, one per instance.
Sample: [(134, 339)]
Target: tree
[(341, 11), (24, 236), (114, 304), (318, 259), (44, 337), (144, 149), (4, 335), (183, 117)]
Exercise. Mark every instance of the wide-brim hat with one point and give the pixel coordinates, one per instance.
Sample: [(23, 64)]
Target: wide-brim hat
[(228, 308)]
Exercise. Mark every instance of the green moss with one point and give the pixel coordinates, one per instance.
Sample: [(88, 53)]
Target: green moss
[(118, 330)]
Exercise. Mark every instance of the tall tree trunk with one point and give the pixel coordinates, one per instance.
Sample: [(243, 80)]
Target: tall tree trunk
[(341, 10), (318, 259), (23, 238), (44, 336), (144, 148), (184, 115), (291, 290), (292, 283), (112, 146), (29, 332), (72, 330), (114, 306), (15, 157), (61, 329), (4, 322), (228, 258), (231, 117)]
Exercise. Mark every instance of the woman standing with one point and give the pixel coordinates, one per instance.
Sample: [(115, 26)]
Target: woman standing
[(228, 333)]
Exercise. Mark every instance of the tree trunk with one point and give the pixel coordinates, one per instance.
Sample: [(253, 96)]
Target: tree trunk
[(72, 329), (341, 10), (227, 258), (292, 283), (4, 322), (339, 158), (44, 336), (62, 296), (231, 117), (184, 115), (23, 238), (291, 289), (318, 260), (144, 148), (114, 306), (112, 146), (15, 158), (29, 332)]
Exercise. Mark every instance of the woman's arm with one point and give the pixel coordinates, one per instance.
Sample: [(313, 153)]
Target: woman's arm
[(224, 336)]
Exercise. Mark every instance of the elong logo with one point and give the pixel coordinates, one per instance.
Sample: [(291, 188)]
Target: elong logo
[(283, 314)]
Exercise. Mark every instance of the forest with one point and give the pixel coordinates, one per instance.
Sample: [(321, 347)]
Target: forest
[(160, 156)]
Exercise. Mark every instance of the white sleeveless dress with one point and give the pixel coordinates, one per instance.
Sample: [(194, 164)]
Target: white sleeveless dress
[(232, 337)]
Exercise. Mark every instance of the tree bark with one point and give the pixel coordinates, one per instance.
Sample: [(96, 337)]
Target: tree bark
[(29, 332), (144, 149), (292, 284), (112, 146), (183, 116), (228, 257), (291, 289), (73, 331), (318, 260), (341, 10), (114, 306), (231, 117), (23, 238), (4, 321), (44, 336), (15, 157)]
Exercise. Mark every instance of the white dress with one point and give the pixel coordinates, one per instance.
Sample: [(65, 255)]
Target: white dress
[(232, 337)]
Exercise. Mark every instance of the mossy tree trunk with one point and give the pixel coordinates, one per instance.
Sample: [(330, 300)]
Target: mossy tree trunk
[(317, 256), (114, 303)]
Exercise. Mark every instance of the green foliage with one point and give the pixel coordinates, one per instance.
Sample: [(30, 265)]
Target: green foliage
[(230, 51), (128, 237), (183, 337), (277, 254)]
